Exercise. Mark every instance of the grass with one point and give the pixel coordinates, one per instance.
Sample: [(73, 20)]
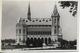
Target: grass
[(23, 46)]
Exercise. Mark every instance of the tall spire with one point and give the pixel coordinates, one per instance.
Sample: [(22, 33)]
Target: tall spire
[(55, 12), (29, 12)]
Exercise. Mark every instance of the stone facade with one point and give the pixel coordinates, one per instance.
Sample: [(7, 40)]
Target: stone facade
[(34, 31)]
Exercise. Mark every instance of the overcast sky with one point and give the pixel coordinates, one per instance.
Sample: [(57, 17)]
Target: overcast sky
[(13, 10)]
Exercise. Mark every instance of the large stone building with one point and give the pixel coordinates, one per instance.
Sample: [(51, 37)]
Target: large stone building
[(38, 31)]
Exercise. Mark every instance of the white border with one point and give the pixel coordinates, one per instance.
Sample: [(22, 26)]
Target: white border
[(0, 20), (47, 51)]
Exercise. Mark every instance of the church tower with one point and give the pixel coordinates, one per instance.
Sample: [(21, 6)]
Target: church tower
[(55, 24), (29, 12)]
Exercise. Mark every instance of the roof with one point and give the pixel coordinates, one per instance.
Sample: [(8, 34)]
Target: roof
[(36, 21)]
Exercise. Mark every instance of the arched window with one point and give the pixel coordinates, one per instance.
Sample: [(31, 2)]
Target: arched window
[(46, 40), (49, 40)]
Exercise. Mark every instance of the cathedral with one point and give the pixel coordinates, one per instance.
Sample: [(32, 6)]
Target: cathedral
[(38, 31)]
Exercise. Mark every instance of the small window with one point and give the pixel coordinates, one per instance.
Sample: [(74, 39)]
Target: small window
[(27, 32), (16, 30), (46, 20), (54, 20), (24, 31), (55, 31), (20, 39), (58, 26), (20, 31), (23, 20), (36, 19), (43, 20), (55, 26), (23, 40), (49, 19), (33, 21), (39, 20), (26, 20)]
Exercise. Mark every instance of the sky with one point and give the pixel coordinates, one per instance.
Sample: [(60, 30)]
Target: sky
[(14, 9)]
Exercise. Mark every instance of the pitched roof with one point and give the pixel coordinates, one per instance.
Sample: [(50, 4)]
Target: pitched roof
[(36, 21)]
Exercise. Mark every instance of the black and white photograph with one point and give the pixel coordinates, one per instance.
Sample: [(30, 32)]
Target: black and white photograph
[(39, 25)]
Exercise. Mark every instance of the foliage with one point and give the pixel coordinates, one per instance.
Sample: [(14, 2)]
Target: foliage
[(8, 41), (72, 4)]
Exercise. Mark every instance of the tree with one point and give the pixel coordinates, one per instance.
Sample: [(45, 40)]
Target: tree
[(72, 4), (8, 41)]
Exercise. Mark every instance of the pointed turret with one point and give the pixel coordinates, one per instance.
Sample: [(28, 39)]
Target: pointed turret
[(55, 12), (29, 13)]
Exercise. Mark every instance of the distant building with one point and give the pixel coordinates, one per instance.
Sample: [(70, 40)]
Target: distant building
[(38, 31)]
